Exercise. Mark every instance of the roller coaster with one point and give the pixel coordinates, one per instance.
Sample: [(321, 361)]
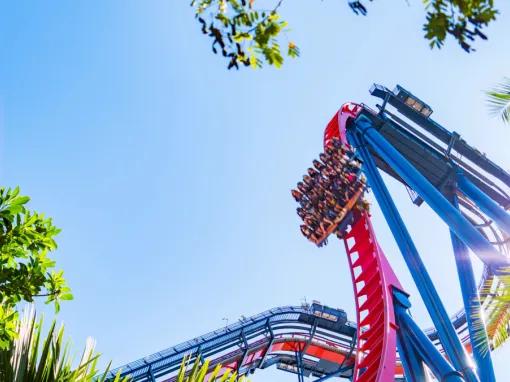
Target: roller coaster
[(468, 191)]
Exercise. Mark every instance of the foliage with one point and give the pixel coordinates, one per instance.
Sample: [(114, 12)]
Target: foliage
[(26, 271), (499, 100), (36, 357), (244, 35), (248, 36), (497, 324), (199, 372), (463, 20)]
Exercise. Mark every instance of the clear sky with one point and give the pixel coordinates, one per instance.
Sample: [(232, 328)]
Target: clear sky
[(170, 176)]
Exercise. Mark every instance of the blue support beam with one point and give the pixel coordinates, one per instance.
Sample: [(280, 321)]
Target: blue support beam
[(411, 361), (341, 368), (300, 366), (329, 376), (420, 343), (445, 329), (333, 375), (269, 345), (486, 204), (246, 349), (434, 360), (441, 206), (150, 375), (313, 329), (471, 300)]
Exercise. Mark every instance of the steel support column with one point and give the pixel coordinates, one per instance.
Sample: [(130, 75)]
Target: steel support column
[(411, 361), (421, 344), (332, 375), (448, 213), (246, 349), (151, 375), (341, 368), (300, 366), (269, 345), (471, 300), (329, 376), (313, 328), (486, 204), (446, 332), (426, 349)]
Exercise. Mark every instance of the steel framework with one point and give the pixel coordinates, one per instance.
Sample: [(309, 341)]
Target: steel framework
[(308, 340), (457, 182), (465, 189)]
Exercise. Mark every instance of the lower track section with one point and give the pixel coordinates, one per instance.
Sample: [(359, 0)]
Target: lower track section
[(319, 337)]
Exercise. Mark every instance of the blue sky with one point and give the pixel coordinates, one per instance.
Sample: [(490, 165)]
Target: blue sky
[(170, 176)]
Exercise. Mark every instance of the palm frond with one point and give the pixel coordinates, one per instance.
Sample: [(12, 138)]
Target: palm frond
[(497, 324), (200, 372), (39, 356), (498, 100)]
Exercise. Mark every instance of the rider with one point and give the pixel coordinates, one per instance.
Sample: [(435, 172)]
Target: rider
[(306, 231), (326, 159), (308, 180), (312, 172), (301, 212), (302, 187), (298, 196), (318, 165)]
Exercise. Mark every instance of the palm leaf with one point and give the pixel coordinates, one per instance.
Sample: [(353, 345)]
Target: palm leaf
[(33, 347), (225, 376), (215, 373), (498, 321), (182, 370), (26, 361), (200, 372), (203, 371), (498, 100), (194, 370)]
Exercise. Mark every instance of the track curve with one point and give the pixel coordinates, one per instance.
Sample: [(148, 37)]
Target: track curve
[(321, 336), (497, 314)]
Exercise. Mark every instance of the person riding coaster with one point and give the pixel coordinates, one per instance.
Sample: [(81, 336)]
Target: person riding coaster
[(318, 165), (327, 189), (313, 173), (301, 212), (298, 196), (302, 187)]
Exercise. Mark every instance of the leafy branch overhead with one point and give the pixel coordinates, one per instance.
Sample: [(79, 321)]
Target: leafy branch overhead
[(249, 36), (244, 35), (26, 270), (461, 19)]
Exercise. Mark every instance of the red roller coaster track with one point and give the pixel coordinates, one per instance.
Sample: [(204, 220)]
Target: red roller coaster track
[(373, 280)]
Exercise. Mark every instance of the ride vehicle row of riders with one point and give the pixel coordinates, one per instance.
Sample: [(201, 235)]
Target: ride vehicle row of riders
[(326, 189)]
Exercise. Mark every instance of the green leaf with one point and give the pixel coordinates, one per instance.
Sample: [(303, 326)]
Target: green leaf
[(20, 200), (499, 100), (27, 238)]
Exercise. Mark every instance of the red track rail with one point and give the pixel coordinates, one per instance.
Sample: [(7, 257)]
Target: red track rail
[(373, 280)]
